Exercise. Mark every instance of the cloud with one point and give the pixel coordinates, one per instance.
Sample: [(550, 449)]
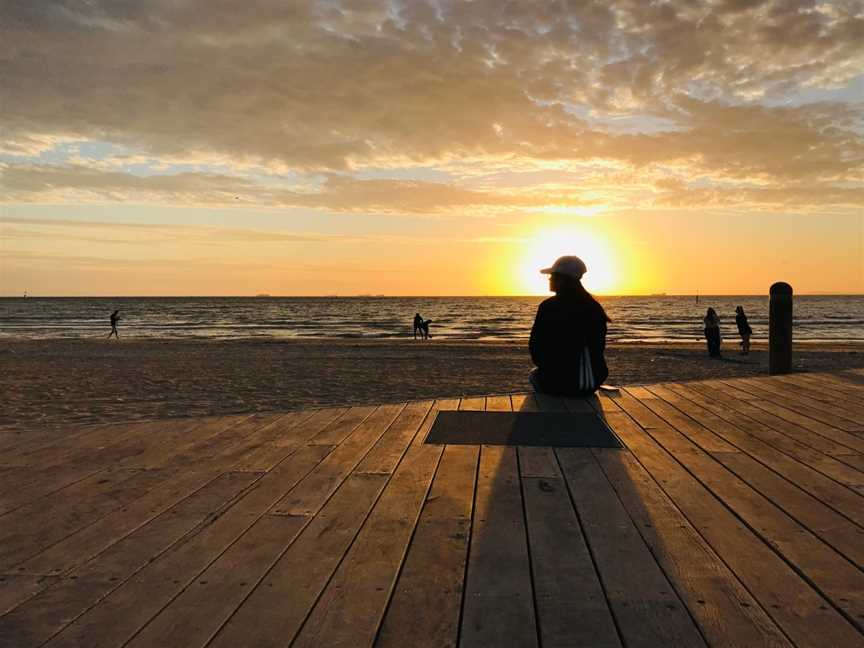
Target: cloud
[(332, 87)]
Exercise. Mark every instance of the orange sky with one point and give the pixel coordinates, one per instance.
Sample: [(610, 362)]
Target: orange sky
[(430, 148)]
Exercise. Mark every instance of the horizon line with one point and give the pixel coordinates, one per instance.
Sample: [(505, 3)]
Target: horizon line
[(412, 296)]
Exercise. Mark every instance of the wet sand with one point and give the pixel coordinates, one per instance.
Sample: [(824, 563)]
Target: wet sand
[(65, 383)]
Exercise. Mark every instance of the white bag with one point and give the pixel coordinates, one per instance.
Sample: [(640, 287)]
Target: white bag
[(585, 377)]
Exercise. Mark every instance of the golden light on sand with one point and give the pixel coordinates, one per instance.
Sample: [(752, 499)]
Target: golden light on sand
[(547, 245)]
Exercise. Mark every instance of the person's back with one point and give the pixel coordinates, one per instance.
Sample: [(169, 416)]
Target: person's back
[(565, 325)]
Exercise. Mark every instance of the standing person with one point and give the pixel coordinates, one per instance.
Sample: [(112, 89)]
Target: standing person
[(712, 332), (115, 317), (744, 330), (568, 338), (421, 325)]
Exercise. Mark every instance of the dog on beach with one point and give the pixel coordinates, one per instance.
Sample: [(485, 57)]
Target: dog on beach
[(421, 326)]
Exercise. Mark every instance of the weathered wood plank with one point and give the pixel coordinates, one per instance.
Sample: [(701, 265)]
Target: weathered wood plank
[(121, 614), (350, 608), (34, 527), (426, 603), (791, 465), (387, 452), (329, 474), (725, 611), (277, 607), (780, 393), (285, 438), (784, 422), (498, 608), (40, 618), (338, 429), (646, 606), (820, 565), (843, 535), (803, 614), (17, 588), (571, 606), (499, 403)]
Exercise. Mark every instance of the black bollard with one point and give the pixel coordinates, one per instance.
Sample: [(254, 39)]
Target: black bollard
[(780, 329)]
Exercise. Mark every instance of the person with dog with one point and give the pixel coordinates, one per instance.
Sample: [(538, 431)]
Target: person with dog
[(568, 338), (422, 326)]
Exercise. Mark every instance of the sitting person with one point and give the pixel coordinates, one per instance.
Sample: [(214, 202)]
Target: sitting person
[(421, 325), (568, 338)]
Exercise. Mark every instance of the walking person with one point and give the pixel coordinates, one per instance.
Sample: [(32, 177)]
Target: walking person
[(744, 330), (712, 332), (115, 317), (568, 338)]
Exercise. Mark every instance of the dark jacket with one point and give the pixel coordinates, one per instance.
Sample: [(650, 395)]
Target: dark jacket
[(743, 325), (564, 325)]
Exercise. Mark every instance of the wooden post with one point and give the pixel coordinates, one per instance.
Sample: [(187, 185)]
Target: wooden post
[(780, 329)]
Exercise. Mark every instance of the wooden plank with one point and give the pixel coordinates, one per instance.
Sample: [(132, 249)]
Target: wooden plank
[(524, 403), (17, 588), (802, 613), (425, 607), (499, 403), (214, 595), (26, 485), (538, 462), (778, 397), (350, 608), (120, 615), (780, 423), (329, 474), (782, 394), (387, 452), (816, 561), (36, 526), (571, 606), (843, 535), (720, 605), (42, 617), (278, 605), (498, 608), (793, 440), (286, 438), (475, 404), (647, 608), (824, 390), (787, 457), (548, 403), (196, 614), (336, 431), (85, 544)]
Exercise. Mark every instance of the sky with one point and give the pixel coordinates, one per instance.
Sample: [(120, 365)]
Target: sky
[(430, 147)]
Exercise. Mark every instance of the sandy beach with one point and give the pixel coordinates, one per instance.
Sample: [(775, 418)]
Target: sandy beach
[(61, 383)]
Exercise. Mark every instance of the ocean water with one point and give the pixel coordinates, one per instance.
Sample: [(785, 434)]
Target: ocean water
[(656, 318)]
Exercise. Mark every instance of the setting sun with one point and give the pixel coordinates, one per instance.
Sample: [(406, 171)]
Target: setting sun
[(547, 245)]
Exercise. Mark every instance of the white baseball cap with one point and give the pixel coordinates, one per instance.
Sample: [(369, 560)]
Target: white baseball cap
[(572, 266)]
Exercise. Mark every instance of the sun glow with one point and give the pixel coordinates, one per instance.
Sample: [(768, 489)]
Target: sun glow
[(546, 246)]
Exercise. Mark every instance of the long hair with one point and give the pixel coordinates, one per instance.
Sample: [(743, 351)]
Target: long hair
[(573, 286)]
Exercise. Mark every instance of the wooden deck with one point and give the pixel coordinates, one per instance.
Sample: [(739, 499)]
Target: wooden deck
[(734, 516)]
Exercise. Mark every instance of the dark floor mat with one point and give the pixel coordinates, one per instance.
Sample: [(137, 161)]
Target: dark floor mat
[(557, 429)]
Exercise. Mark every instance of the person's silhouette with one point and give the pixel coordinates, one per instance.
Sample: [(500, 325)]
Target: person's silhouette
[(568, 338), (744, 329), (422, 326), (712, 332), (115, 317)]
